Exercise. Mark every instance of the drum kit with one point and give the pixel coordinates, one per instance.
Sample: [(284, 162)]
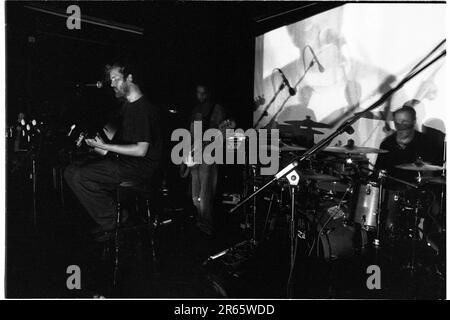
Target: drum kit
[(342, 203)]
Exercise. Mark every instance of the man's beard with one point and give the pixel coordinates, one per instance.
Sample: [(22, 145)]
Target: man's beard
[(404, 137), (121, 92)]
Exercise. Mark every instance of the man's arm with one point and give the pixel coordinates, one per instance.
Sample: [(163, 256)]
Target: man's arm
[(138, 149), (381, 162)]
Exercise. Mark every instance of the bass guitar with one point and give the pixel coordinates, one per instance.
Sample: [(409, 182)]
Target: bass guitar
[(188, 161)]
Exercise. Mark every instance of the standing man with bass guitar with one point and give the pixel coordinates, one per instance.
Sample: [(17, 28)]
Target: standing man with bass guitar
[(136, 157), (204, 176)]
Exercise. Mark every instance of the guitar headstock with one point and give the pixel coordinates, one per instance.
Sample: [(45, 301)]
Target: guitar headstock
[(80, 139)]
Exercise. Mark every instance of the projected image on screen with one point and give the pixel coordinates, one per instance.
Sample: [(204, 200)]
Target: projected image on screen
[(364, 50)]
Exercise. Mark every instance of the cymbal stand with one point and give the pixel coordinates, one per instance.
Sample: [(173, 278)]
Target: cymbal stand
[(252, 169), (442, 202)]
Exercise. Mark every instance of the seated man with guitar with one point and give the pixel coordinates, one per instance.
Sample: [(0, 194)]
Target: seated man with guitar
[(136, 157), (204, 176)]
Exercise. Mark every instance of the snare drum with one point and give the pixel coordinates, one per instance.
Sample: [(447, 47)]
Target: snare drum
[(366, 209)]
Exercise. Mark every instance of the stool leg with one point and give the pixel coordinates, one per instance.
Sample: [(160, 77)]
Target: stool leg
[(152, 229), (149, 213), (61, 184), (136, 204), (116, 243)]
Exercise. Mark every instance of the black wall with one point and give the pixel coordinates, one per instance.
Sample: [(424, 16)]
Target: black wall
[(182, 43)]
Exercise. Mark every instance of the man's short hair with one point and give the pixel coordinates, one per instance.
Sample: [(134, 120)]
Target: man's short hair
[(408, 109), (126, 68), (205, 84)]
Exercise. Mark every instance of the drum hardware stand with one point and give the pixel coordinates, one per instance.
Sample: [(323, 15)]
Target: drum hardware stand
[(376, 242), (293, 178), (441, 204), (414, 237), (255, 188), (345, 127), (268, 223)]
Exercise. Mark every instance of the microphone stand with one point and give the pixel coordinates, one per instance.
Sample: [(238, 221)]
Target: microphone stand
[(311, 64), (264, 113), (340, 130)]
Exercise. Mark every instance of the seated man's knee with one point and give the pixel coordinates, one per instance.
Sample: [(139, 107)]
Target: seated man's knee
[(72, 174)]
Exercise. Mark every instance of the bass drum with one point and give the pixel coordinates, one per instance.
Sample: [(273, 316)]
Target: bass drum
[(335, 238)]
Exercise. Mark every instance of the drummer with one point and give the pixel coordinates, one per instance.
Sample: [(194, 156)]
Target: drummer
[(405, 146)]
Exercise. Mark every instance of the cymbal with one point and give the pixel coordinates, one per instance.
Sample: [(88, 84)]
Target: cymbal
[(419, 166), (436, 180), (307, 123), (287, 147), (341, 158), (354, 150)]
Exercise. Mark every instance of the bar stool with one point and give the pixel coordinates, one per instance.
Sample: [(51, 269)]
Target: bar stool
[(150, 193)]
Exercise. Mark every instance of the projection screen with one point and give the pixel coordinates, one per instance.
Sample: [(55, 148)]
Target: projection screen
[(365, 49)]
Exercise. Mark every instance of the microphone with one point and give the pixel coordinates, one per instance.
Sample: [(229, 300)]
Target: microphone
[(292, 91), (71, 129), (321, 68), (98, 85)]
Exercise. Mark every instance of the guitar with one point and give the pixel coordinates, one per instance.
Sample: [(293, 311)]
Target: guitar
[(188, 161), (108, 133)]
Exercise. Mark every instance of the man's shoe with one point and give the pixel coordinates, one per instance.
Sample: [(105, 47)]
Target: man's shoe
[(124, 221), (104, 236)]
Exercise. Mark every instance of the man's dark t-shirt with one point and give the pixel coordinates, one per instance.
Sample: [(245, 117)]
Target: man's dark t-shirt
[(140, 123), (420, 147)]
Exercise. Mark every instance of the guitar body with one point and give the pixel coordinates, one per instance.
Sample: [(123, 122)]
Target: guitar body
[(107, 134), (188, 162)]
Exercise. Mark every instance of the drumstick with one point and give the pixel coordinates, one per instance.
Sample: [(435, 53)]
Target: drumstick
[(394, 179)]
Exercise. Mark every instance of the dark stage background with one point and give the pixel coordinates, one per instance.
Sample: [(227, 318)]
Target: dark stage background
[(181, 43)]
